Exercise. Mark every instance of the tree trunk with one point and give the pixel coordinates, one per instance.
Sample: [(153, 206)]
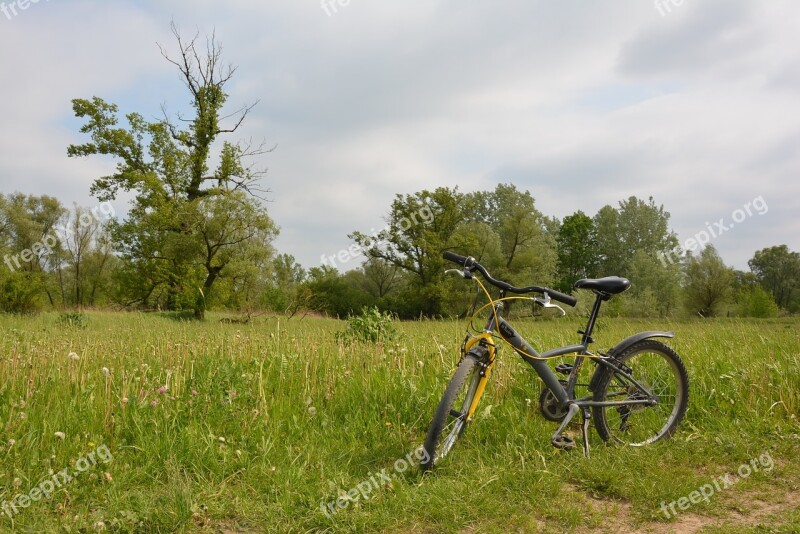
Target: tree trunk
[(200, 304)]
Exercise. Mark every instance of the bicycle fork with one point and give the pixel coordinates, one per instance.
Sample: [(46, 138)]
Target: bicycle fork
[(486, 342)]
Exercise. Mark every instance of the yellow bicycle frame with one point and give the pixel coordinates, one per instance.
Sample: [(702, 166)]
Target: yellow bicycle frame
[(489, 342)]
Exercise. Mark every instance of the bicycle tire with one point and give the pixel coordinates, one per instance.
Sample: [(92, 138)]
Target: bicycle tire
[(464, 381), (640, 425)]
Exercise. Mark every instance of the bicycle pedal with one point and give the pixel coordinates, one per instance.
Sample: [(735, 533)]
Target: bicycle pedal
[(563, 442), (564, 368)]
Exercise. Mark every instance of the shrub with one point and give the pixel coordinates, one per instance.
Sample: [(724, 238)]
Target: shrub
[(73, 320), (20, 291), (370, 326), (755, 302)]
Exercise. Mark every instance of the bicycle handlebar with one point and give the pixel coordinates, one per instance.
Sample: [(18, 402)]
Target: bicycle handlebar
[(455, 258), (469, 263)]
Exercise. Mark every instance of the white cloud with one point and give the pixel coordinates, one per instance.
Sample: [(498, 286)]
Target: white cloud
[(582, 104)]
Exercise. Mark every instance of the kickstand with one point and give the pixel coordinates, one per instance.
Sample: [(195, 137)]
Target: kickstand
[(587, 416)]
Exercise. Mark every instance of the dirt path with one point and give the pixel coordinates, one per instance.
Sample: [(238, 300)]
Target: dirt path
[(759, 512)]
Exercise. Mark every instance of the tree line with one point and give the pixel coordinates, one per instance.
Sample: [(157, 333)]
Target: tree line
[(60, 258)]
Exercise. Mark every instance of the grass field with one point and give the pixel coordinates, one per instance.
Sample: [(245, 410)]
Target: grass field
[(167, 425)]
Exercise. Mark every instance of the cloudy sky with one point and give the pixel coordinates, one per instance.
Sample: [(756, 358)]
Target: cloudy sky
[(693, 102)]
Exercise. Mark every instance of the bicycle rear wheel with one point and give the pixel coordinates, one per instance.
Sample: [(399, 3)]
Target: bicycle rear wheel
[(450, 419), (662, 375)]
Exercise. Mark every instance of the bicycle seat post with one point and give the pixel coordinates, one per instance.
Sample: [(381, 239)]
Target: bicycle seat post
[(587, 333)]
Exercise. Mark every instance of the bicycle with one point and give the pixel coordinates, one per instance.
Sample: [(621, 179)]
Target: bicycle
[(639, 388)]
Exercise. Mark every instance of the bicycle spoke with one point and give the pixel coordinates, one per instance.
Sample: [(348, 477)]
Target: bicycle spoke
[(654, 376), (448, 425)]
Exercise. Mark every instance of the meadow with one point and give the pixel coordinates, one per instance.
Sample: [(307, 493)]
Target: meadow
[(168, 425)]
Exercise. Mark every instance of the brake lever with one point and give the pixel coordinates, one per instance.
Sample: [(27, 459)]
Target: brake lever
[(462, 273), (545, 302)]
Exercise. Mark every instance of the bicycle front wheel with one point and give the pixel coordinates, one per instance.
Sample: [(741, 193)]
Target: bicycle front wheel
[(662, 377), (450, 419)]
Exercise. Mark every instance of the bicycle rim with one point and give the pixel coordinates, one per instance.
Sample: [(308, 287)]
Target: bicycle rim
[(638, 425), (451, 420), (458, 418)]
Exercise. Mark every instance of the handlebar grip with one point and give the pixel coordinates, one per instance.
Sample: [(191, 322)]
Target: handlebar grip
[(455, 258), (569, 300)]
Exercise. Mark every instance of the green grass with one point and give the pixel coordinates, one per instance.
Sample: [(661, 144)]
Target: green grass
[(260, 424)]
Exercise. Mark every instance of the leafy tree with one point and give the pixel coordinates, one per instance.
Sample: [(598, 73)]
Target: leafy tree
[(501, 228), (233, 233), (187, 225), (86, 259), (380, 277), (526, 242), (99, 267), (506, 233), (756, 302), (777, 269), (331, 294), (286, 271), (481, 241), (420, 226), (32, 247), (286, 293), (577, 250), (612, 251), (655, 288), (708, 283), (636, 225)]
